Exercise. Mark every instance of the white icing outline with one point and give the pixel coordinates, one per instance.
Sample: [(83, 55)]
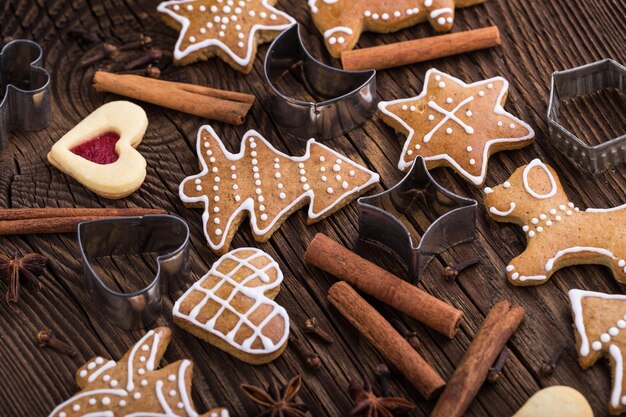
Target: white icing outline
[(78, 396), (497, 212), (616, 393), (342, 29), (110, 364), (130, 384), (255, 293), (438, 12), (179, 55), (575, 249), (476, 179), (534, 163), (248, 204), (605, 210)]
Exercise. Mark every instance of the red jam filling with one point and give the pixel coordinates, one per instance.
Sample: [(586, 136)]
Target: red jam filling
[(100, 149)]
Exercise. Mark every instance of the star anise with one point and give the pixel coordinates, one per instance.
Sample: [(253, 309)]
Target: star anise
[(277, 402), (21, 271), (369, 405)]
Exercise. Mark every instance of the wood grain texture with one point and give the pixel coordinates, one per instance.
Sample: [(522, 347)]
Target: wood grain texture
[(538, 37)]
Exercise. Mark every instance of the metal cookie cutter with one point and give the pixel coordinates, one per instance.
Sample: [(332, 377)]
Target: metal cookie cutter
[(348, 97), (383, 219), (24, 88), (581, 81), (165, 235)]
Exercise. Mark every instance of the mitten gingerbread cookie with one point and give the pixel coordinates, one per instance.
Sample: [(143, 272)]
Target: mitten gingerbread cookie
[(342, 21), (232, 307), (133, 386), (558, 233), (600, 329), (231, 29), (99, 152), (556, 401), (455, 124), (267, 185)]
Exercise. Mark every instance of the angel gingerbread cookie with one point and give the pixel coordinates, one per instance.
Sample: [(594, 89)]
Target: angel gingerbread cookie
[(134, 386), (267, 185), (455, 124), (100, 153), (232, 307), (600, 329), (559, 234), (229, 29), (342, 21)]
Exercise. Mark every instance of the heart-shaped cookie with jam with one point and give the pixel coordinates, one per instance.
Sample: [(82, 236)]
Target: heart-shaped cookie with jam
[(100, 153)]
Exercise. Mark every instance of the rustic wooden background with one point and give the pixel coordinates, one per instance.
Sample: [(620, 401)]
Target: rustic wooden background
[(539, 37)]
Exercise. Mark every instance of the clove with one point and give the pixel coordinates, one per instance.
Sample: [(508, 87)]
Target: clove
[(108, 51), (547, 368), (409, 335), (383, 376), (311, 359), (152, 56), (83, 35), (45, 338), (451, 272), (142, 42), (311, 326), (495, 372)]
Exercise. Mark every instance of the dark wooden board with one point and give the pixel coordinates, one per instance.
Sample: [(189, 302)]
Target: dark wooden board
[(539, 37)]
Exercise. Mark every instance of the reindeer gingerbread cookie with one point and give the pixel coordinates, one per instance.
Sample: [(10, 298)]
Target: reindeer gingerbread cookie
[(559, 233), (342, 21)]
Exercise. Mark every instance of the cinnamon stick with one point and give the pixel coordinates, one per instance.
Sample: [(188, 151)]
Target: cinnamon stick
[(420, 50), (225, 106), (38, 213), (498, 327), (59, 220), (330, 256), (385, 339)]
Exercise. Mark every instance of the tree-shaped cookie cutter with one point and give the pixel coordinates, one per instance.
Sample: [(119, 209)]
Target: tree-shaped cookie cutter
[(580, 81), (24, 89), (162, 234), (350, 96), (383, 219)]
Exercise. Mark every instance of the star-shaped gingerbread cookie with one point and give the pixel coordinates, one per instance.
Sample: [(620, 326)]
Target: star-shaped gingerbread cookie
[(229, 29), (455, 124), (342, 21)]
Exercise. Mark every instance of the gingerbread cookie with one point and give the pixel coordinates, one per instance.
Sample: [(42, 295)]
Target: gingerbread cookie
[(559, 233), (455, 124), (231, 29), (99, 152), (267, 185), (232, 307), (342, 21), (600, 324), (556, 401), (133, 386)]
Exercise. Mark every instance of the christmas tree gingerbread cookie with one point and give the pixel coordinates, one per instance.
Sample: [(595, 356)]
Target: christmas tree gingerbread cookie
[(267, 185), (455, 124), (559, 234), (229, 29), (600, 329), (134, 386), (342, 21), (232, 307)]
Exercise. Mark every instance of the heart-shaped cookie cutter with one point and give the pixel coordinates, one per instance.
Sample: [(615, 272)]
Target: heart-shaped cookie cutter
[(164, 234), (351, 95), (453, 219), (576, 82), (24, 88)]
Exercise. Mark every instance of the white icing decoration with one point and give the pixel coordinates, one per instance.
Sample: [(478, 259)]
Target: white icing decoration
[(80, 395), (256, 293), (449, 115), (242, 61), (99, 371), (534, 163), (577, 249), (497, 212), (498, 109)]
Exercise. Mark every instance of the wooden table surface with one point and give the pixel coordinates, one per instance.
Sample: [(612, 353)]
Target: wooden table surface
[(538, 37)]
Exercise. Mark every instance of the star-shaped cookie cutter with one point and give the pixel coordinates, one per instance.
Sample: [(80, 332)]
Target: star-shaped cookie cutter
[(165, 235), (383, 219), (580, 81), (24, 89), (350, 96)]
